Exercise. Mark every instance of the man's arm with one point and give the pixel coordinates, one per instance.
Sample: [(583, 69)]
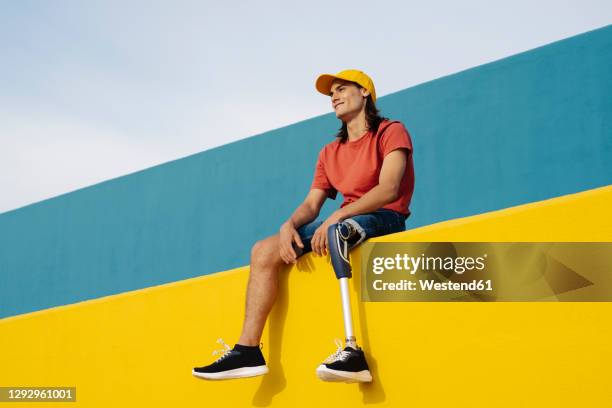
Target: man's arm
[(306, 212), (309, 209), (387, 190)]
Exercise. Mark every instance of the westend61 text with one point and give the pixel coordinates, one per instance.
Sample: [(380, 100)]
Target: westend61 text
[(428, 284)]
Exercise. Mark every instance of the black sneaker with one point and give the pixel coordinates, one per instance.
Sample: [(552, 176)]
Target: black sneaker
[(348, 365), (241, 361)]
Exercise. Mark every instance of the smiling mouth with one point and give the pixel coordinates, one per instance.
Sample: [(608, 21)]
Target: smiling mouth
[(338, 105)]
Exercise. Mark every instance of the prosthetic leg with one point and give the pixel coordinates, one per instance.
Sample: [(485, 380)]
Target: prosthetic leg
[(348, 364), (338, 237)]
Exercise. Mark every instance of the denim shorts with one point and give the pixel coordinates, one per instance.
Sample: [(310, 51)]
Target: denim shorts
[(374, 224)]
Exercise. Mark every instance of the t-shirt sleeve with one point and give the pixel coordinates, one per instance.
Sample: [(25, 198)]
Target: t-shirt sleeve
[(395, 137), (321, 180)]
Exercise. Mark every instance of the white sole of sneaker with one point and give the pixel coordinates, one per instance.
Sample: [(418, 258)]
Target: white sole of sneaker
[(326, 374), (235, 373)]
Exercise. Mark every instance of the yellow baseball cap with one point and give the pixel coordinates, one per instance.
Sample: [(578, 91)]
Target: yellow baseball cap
[(324, 81)]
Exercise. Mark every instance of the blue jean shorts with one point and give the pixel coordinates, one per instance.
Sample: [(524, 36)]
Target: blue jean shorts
[(374, 224)]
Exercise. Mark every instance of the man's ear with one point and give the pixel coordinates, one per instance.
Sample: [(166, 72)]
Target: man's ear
[(364, 92)]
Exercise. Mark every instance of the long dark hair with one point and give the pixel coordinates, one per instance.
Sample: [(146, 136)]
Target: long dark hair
[(372, 116)]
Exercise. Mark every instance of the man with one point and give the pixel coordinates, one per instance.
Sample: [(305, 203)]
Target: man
[(370, 163)]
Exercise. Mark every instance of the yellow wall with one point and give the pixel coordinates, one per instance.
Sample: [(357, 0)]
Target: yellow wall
[(138, 348)]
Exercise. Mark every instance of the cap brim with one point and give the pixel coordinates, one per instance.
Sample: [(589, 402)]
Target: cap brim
[(324, 83)]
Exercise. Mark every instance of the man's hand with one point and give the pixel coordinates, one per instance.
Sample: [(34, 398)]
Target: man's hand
[(287, 235), (319, 239)]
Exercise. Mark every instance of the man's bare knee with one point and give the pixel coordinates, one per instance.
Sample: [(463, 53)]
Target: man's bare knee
[(266, 252)]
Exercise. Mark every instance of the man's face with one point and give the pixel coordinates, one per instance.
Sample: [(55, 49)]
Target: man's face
[(347, 99)]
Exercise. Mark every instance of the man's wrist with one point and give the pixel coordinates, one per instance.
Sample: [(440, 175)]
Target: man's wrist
[(341, 214)]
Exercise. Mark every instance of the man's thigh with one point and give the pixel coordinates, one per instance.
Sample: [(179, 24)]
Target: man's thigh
[(306, 233), (377, 223), (380, 222)]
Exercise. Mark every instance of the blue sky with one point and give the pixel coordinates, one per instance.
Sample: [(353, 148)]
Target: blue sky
[(98, 89)]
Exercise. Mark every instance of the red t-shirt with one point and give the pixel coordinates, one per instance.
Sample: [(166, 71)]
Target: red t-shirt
[(353, 168)]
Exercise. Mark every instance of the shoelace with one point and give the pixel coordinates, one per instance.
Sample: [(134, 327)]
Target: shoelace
[(224, 352), (339, 355)]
